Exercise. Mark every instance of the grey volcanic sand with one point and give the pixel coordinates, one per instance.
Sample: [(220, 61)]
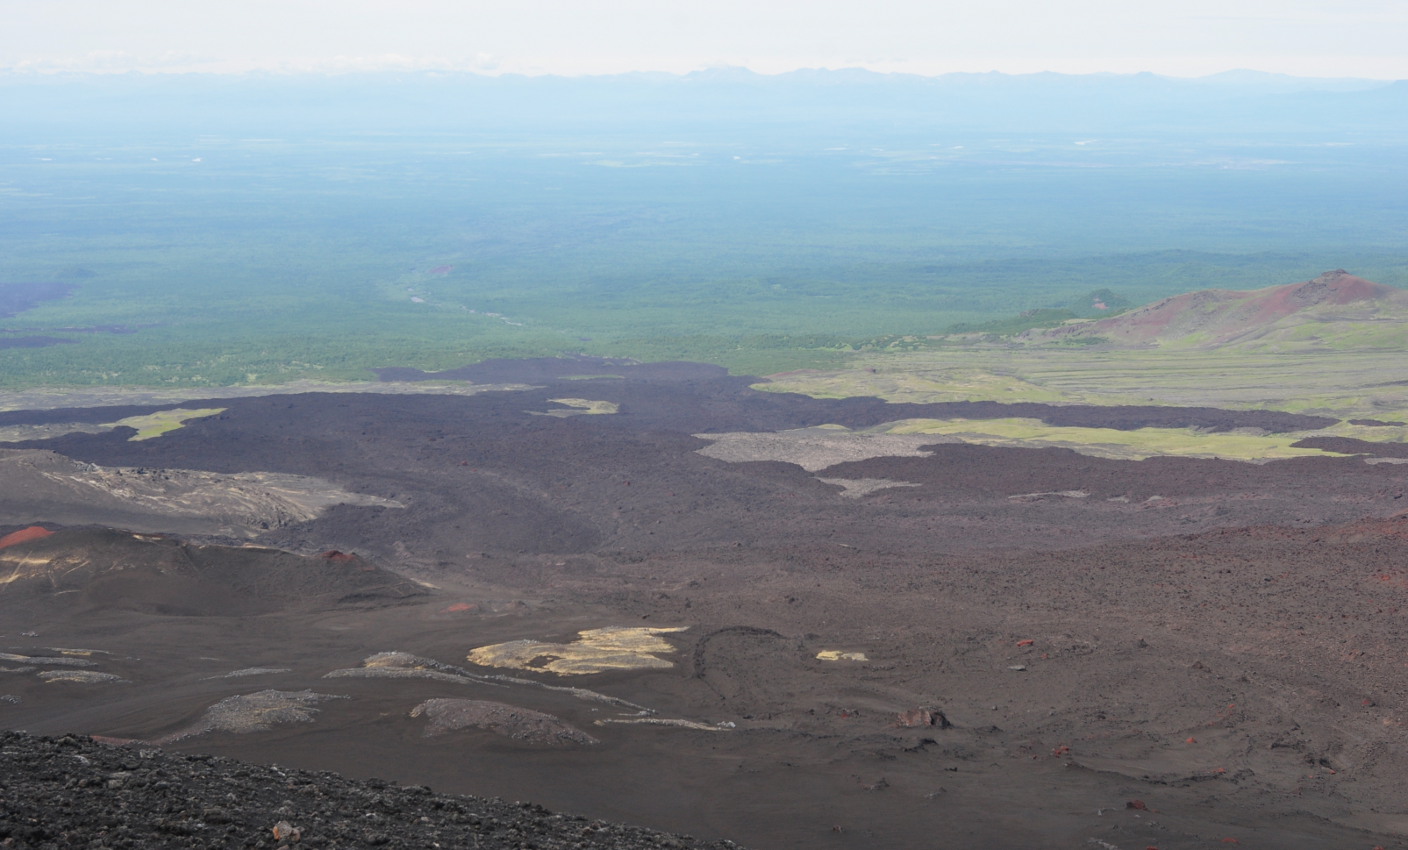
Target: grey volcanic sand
[(1118, 670)]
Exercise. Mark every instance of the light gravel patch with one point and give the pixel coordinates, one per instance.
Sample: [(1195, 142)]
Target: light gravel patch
[(510, 721), (854, 488), (254, 712), (252, 671), (238, 504), (817, 448), (83, 677)]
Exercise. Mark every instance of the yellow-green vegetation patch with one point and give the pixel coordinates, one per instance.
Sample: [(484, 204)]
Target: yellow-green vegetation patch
[(961, 384), (1138, 444), (594, 651), (579, 407), (1371, 433), (163, 421), (1342, 384)]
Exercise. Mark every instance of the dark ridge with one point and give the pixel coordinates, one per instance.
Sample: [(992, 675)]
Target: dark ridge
[(32, 341), (535, 370), (702, 398), (1349, 446), (72, 791), (866, 412), (669, 394), (101, 329), (18, 296)]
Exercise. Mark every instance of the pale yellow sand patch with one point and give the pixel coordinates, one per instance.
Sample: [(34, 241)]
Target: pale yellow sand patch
[(594, 651), (841, 655)]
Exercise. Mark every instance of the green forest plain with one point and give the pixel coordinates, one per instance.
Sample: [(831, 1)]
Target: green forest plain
[(228, 259)]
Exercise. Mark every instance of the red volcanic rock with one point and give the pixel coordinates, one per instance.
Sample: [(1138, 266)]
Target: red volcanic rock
[(1339, 287), (34, 532), (1224, 315), (335, 555)]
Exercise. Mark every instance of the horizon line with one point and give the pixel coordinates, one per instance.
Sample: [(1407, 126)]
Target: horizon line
[(34, 70)]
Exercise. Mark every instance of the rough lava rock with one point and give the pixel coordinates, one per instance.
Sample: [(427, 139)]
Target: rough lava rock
[(71, 791)]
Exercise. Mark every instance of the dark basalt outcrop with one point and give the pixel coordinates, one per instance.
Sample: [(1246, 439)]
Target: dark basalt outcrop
[(705, 398), (64, 792)]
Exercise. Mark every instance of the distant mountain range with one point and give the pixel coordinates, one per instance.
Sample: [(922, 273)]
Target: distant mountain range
[(1336, 310), (721, 100)]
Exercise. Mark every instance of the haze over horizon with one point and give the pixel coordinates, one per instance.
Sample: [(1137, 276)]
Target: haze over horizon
[(1194, 38)]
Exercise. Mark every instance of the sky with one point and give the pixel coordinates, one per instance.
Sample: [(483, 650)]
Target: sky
[(1186, 38)]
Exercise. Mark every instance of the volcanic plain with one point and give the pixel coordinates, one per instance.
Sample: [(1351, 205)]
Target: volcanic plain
[(664, 595)]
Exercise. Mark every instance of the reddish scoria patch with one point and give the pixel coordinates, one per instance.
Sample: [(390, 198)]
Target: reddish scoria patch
[(458, 607), (24, 535), (335, 555)]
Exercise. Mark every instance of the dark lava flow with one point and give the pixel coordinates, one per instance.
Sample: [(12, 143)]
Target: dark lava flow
[(1216, 642)]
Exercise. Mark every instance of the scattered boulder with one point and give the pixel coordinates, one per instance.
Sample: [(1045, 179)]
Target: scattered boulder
[(510, 721), (922, 717)]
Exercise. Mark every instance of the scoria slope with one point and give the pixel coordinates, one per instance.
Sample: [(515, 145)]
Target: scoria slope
[(1335, 310)]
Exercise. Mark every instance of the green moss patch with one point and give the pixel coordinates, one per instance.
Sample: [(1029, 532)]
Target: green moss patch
[(154, 425)]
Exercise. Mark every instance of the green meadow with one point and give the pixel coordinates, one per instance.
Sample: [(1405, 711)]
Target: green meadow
[(227, 260)]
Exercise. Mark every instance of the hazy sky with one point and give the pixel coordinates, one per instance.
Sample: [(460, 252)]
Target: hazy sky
[(1363, 38)]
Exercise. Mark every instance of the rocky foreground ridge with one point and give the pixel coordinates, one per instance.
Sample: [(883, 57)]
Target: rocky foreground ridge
[(71, 792)]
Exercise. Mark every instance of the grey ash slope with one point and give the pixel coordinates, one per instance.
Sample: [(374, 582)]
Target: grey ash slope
[(41, 486), (80, 570), (71, 791)]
